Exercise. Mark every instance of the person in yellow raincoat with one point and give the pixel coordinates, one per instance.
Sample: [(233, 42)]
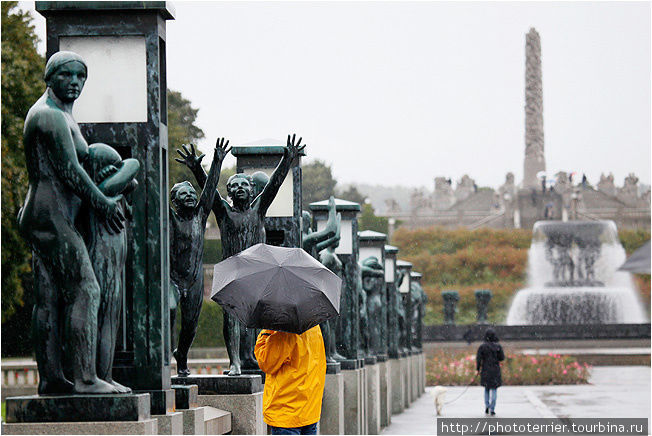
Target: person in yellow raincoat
[(295, 370)]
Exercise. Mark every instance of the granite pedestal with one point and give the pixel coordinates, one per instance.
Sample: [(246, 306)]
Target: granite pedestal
[(78, 408), (185, 396), (142, 427), (405, 380), (332, 406), (79, 414), (385, 393), (241, 395), (424, 380), (193, 421), (396, 383), (170, 423), (373, 398), (414, 377), (353, 400)]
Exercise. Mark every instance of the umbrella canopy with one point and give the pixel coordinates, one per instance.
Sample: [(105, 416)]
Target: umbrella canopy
[(276, 288), (639, 261)]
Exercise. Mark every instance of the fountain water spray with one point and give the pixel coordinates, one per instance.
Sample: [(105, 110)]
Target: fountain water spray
[(573, 277)]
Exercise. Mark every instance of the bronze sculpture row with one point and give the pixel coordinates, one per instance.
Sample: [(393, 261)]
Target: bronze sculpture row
[(75, 217)]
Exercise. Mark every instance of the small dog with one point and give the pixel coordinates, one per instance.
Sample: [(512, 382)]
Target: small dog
[(440, 395)]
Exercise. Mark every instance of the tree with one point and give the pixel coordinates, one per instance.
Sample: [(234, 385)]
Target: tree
[(352, 194), (369, 221), (181, 130), (22, 85), (317, 182)]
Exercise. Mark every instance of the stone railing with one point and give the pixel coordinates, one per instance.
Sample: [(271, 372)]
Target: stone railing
[(20, 376)]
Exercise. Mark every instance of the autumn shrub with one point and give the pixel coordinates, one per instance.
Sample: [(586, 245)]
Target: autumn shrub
[(448, 368), (467, 260)]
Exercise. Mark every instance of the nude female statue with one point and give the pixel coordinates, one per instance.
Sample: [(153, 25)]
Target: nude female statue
[(187, 226), (242, 225), (64, 276)]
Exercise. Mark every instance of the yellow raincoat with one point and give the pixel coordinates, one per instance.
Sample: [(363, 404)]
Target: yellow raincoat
[(295, 371)]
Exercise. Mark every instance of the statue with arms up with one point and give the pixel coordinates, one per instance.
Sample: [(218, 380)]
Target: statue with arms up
[(65, 320), (242, 225), (187, 226)]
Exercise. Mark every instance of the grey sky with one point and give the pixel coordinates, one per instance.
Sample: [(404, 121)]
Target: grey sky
[(398, 93)]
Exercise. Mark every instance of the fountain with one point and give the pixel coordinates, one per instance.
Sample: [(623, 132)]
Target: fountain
[(573, 277)]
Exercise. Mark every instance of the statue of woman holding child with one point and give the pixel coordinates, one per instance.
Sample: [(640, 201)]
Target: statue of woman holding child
[(74, 221)]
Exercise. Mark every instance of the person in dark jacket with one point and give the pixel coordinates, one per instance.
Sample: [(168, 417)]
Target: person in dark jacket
[(490, 354)]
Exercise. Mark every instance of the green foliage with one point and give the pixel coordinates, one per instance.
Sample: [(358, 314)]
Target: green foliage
[(369, 221), (446, 368), (317, 182), (181, 130), (633, 239), (22, 85), (212, 251), (352, 194), (209, 329)]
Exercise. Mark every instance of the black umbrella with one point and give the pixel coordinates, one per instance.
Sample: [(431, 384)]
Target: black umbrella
[(639, 261), (276, 288)]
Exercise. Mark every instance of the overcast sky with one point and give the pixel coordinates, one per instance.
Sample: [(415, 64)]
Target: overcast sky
[(398, 93)]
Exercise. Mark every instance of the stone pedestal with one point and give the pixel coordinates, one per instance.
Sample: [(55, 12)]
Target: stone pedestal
[(193, 421), (185, 396), (78, 408), (373, 398), (396, 390), (242, 396), (385, 393), (216, 421), (332, 405), (353, 400), (142, 427), (246, 411), (363, 389), (170, 423), (405, 380), (414, 379)]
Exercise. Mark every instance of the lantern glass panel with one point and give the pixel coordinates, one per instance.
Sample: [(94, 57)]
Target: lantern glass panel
[(346, 236), (405, 285), (283, 204), (389, 270), (116, 87), (366, 252)]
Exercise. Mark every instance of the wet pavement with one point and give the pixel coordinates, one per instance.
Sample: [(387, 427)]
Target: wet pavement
[(613, 392)]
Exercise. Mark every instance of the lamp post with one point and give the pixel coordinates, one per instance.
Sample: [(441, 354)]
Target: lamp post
[(393, 333), (404, 268), (124, 104), (283, 219), (372, 244), (348, 326)]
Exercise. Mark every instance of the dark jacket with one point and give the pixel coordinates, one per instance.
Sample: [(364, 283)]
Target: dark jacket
[(490, 354)]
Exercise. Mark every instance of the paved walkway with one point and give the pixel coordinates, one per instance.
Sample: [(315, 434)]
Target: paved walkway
[(614, 392)]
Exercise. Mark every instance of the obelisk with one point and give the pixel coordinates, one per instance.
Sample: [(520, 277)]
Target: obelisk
[(534, 159)]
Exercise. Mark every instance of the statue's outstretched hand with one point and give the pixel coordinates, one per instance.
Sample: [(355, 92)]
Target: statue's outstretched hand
[(189, 158), (221, 149), (294, 148)]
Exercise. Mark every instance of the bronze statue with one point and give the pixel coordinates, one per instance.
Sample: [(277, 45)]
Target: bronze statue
[(68, 295), (108, 249), (242, 225), (322, 244), (187, 226), (373, 283)]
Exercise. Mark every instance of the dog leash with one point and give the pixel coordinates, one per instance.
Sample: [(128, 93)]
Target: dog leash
[(465, 389)]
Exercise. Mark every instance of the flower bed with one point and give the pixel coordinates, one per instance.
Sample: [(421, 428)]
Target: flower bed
[(458, 369)]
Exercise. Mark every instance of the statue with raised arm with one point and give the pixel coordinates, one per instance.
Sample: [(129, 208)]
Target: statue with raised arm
[(242, 224), (187, 226), (310, 239), (68, 295)]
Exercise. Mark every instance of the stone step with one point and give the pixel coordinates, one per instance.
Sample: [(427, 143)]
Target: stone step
[(216, 421)]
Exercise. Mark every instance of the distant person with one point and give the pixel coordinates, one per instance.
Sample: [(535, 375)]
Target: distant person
[(295, 369), (490, 354), (584, 181), (543, 184)]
